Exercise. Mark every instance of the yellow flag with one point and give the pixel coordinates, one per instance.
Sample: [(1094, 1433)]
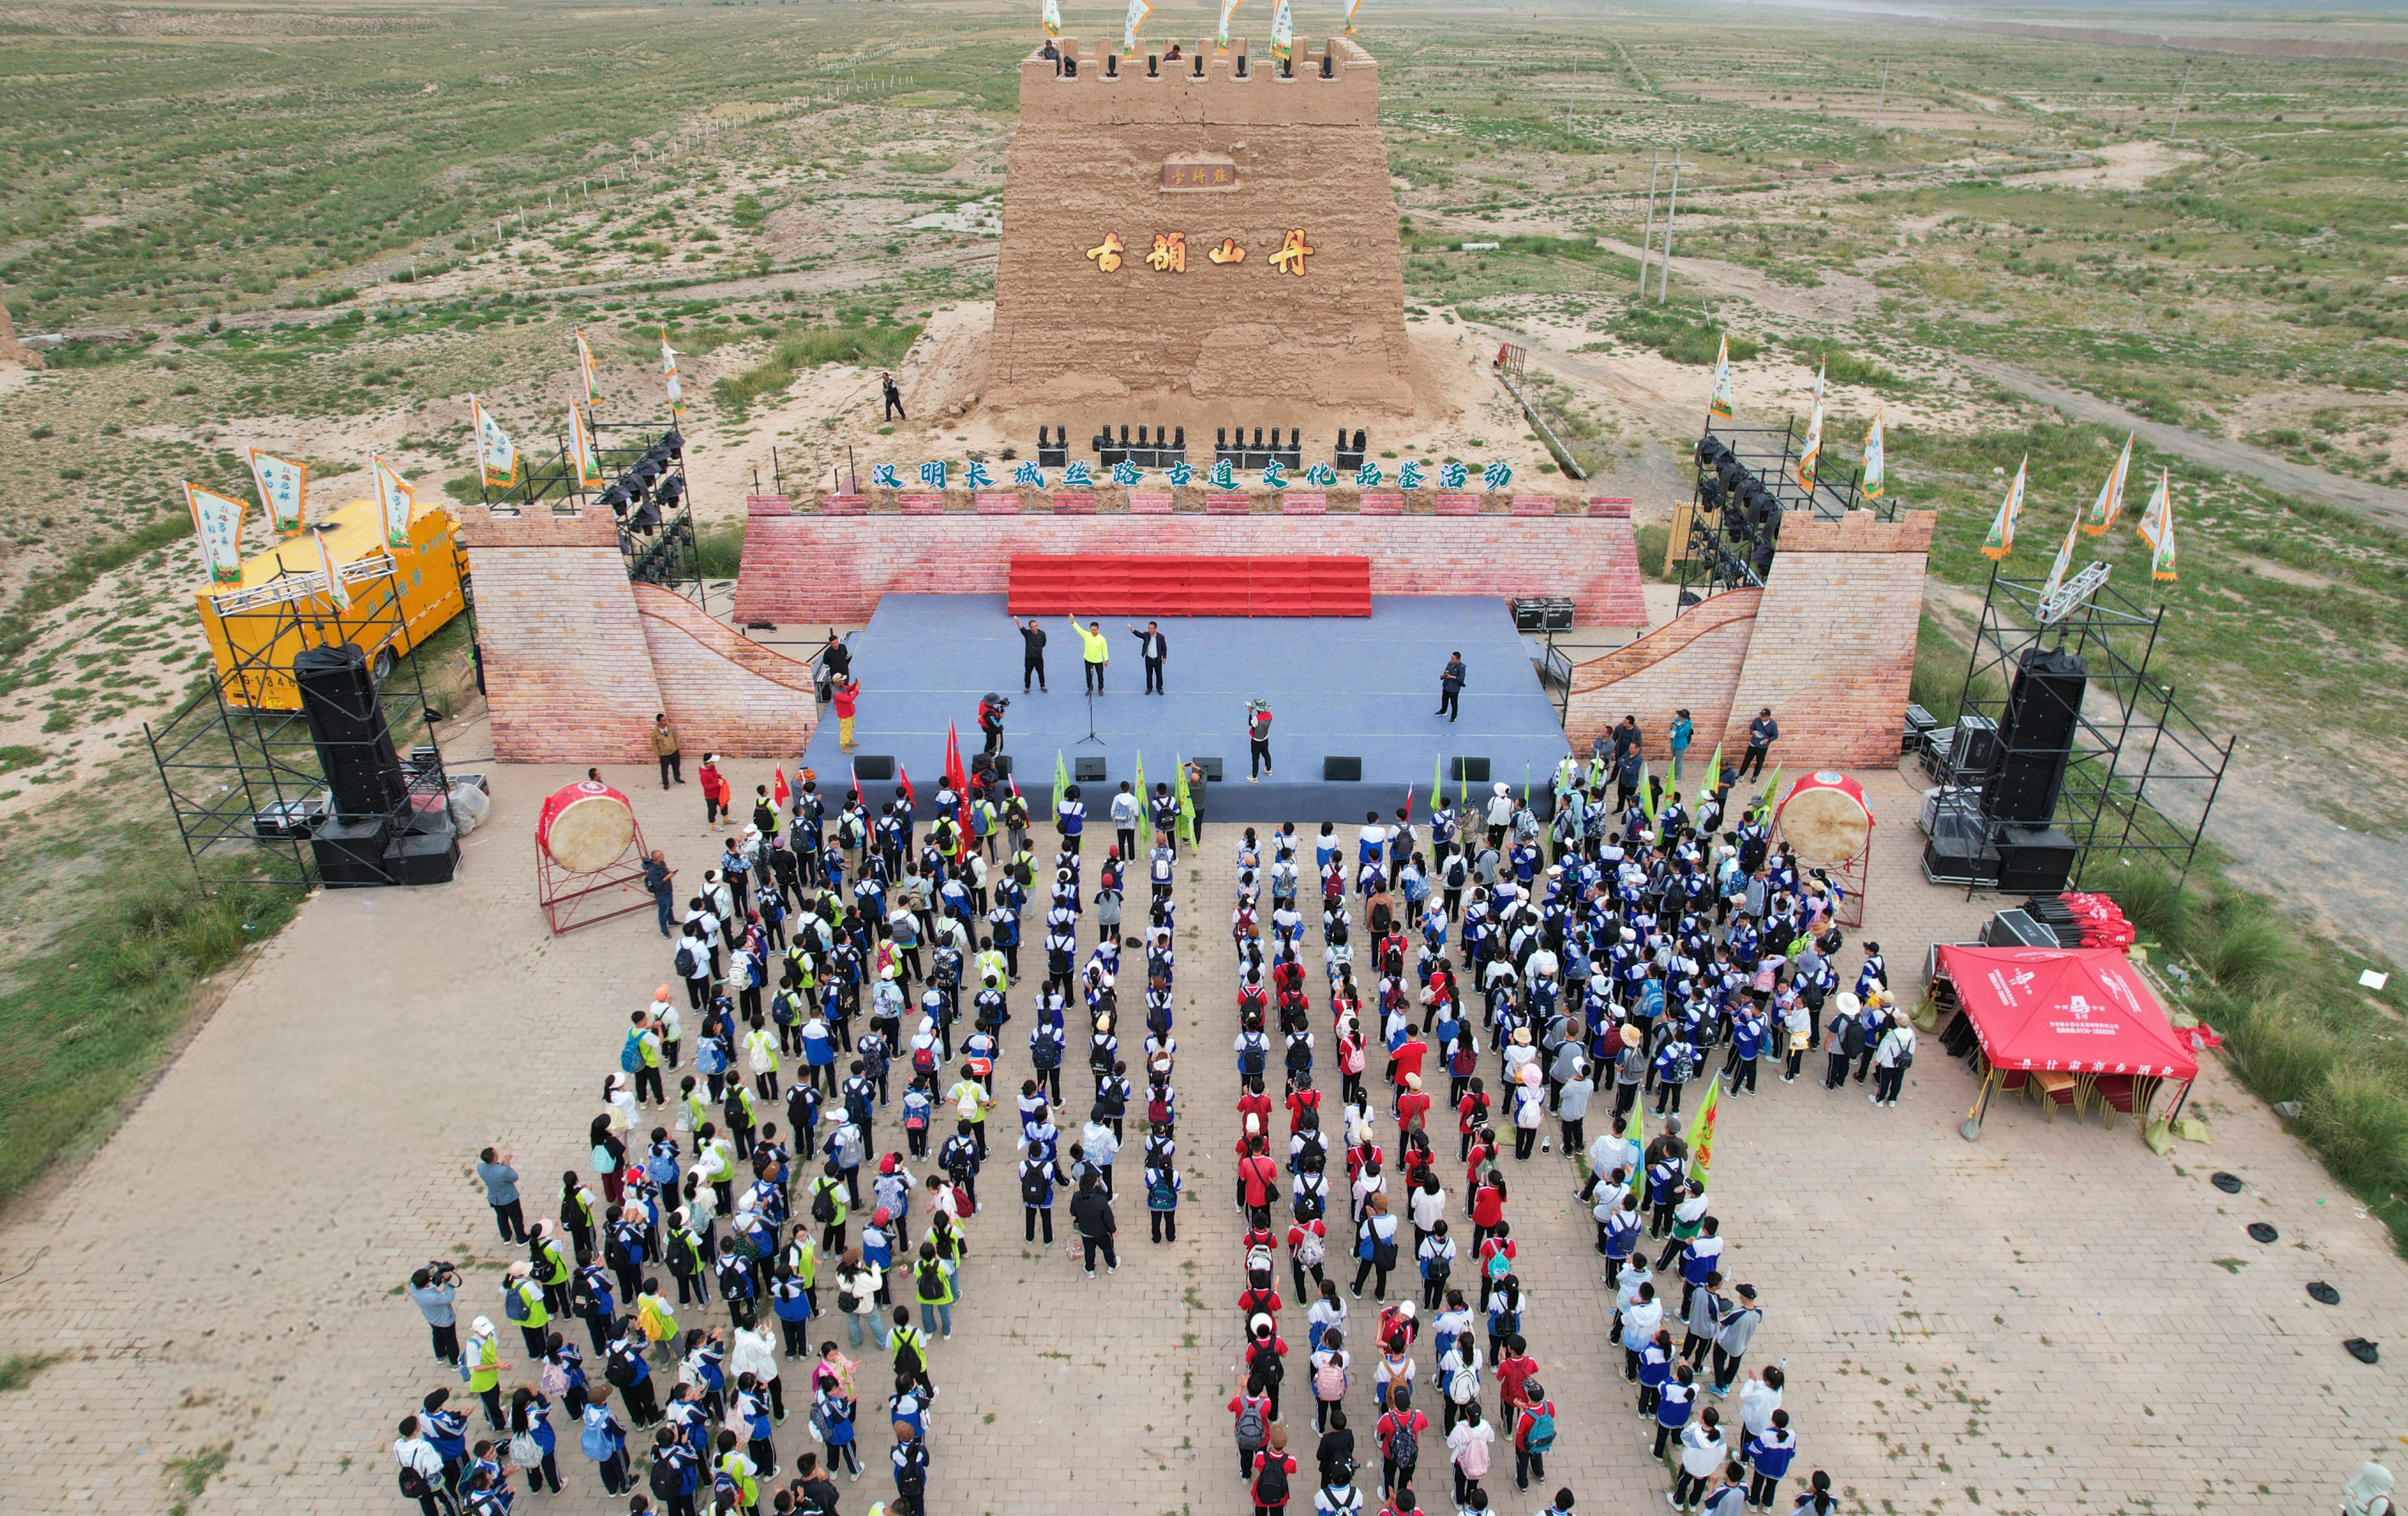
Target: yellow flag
[(336, 591), (1876, 459), (1718, 404), (217, 522), (395, 502), (586, 457), (1811, 452), (2111, 496), (496, 455)]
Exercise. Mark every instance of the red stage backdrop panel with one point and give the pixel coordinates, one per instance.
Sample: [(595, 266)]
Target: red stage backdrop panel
[(1110, 584)]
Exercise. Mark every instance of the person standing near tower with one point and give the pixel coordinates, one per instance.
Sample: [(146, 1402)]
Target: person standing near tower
[(1449, 687)]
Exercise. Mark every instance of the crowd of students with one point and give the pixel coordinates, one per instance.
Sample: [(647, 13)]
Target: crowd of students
[(1521, 965), (858, 973)]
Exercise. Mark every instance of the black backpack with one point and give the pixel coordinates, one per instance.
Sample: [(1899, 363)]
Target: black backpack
[(1270, 1480), (824, 1205), (1032, 1187), (1404, 1445), (1263, 1360)]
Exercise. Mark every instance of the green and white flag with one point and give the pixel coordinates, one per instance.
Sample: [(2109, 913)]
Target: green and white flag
[(1283, 32)]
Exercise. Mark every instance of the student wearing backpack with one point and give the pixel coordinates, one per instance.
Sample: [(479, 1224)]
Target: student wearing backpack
[(1400, 1443), (1252, 1409), (1329, 1363), (1271, 1470), (1534, 1433), (1468, 1445), (1375, 1247), (602, 1438), (1163, 1183)]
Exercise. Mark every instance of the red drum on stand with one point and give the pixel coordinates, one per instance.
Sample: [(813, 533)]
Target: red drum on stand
[(1828, 824), (1825, 819), (585, 826), (589, 856)]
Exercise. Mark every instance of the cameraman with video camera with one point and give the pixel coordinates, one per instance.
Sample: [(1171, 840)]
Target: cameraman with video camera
[(431, 1289), (990, 720)]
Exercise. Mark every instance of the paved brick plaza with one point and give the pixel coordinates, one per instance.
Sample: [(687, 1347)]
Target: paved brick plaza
[(2037, 1322)]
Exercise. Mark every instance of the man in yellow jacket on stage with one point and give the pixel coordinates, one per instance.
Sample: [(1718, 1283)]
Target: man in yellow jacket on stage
[(1099, 651)]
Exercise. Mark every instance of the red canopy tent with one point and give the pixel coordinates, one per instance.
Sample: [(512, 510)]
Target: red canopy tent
[(2083, 1011)]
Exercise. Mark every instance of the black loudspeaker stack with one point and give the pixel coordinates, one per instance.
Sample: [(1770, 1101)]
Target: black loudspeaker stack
[(1088, 770), (1342, 770), (2036, 739), (377, 833), (878, 767)]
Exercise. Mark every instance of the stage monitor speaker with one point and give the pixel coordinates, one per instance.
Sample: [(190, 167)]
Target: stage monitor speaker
[(997, 764), (1468, 770), (1212, 767), (874, 765), (1960, 860), (1088, 770), (350, 853), (2034, 860), (2035, 738), (423, 857), (348, 728), (1342, 770)]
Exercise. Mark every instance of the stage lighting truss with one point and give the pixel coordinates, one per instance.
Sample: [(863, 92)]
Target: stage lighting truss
[(1746, 486), (648, 496)]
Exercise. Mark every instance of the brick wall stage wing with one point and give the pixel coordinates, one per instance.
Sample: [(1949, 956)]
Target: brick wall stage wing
[(809, 568)]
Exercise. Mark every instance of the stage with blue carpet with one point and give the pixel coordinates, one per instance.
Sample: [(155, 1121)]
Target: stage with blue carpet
[(1338, 687)]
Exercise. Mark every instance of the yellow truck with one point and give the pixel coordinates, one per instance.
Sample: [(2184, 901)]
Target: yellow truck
[(281, 605)]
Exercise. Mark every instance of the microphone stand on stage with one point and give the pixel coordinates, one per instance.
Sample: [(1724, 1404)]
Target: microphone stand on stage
[(1091, 736)]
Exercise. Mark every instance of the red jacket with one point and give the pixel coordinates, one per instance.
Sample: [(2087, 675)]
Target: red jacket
[(1413, 1110), (1488, 1206), (846, 695)]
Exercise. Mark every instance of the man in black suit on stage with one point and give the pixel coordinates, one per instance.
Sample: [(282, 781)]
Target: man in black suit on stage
[(1152, 647)]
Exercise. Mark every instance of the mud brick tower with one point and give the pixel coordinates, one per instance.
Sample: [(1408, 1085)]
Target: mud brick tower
[(1200, 241)]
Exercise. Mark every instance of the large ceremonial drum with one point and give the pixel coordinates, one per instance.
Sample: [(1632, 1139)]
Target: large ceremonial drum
[(1825, 819), (585, 826)]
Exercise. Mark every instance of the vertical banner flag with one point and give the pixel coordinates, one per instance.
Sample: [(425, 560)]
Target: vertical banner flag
[(2157, 528), (1811, 452), (1061, 782), (1144, 804), (2057, 571), (2001, 539), (338, 595), (1052, 18), (589, 379), (1228, 8), (1186, 803), (1352, 7), (1138, 11), (669, 375), (778, 794), (284, 491), (396, 503), (583, 453), (1438, 784), (2111, 496), (1701, 1133), (910, 797), (1876, 459), (217, 522), (496, 455), (1283, 31), (1718, 404)]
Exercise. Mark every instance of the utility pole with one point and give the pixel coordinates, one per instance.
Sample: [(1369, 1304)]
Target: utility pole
[(1882, 104), (2182, 96), (1647, 240), (1574, 95), (1672, 205)]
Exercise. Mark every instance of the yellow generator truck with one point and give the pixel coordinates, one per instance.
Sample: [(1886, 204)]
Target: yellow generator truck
[(282, 605)]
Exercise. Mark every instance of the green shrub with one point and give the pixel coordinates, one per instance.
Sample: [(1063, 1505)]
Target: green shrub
[(2158, 908), (2357, 1118), (1685, 335), (719, 551), (2286, 1051), (2245, 950)]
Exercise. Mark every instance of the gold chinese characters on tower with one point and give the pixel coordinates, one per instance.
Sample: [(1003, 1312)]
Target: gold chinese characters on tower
[(1190, 174)]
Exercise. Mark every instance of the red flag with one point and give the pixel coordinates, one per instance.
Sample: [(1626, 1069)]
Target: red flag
[(778, 794), (1014, 782), (856, 781), (903, 783), (957, 779)]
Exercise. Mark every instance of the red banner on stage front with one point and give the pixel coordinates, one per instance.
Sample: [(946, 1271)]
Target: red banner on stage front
[(1048, 584)]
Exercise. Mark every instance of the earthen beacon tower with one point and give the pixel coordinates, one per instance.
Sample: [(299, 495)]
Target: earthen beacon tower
[(1200, 241)]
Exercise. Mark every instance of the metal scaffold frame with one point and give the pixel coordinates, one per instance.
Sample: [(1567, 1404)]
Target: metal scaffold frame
[(2143, 774), (244, 782), (664, 552), (1708, 567)]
